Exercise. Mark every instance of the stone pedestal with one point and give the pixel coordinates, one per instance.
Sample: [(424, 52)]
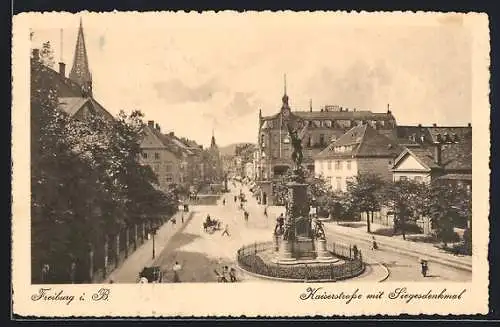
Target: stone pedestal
[(286, 252), (321, 252)]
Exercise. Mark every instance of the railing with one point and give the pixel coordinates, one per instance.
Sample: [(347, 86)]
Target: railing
[(249, 259)]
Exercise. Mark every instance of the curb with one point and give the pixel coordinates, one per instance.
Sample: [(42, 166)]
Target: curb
[(289, 280), (398, 249)]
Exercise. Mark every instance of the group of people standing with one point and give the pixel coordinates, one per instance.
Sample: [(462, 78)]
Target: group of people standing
[(226, 275)]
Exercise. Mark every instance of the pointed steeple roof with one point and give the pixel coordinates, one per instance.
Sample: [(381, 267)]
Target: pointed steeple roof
[(285, 96), (213, 144), (80, 72)]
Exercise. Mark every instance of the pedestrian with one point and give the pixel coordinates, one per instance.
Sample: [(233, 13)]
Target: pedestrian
[(355, 251), (224, 201), (226, 230), (173, 221), (424, 267), (241, 205), (374, 243), (182, 218), (235, 199), (224, 274), (46, 273), (177, 268), (232, 275), (246, 215), (265, 211)]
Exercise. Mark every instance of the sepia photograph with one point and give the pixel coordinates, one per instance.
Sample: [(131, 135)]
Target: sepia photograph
[(265, 149)]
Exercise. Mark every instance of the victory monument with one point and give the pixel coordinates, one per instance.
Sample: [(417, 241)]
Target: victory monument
[(299, 238), (298, 250)]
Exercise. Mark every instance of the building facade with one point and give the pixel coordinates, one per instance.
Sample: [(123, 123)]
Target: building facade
[(443, 153), (170, 164), (323, 127), (360, 150)]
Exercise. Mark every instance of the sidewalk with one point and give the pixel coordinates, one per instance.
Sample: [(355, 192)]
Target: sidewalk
[(397, 244), (129, 270)]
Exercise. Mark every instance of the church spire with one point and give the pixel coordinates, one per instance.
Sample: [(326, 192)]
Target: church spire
[(285, 96), (284, 84), (212, 143), (80, 72)]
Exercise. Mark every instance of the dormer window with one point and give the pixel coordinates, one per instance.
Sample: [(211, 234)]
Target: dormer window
[(439, 138)]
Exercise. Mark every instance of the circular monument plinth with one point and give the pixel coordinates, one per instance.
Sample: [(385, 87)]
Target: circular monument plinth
[(262, 260)]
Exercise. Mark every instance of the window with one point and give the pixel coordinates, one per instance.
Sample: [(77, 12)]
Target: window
[(403, 178), (144, 155), (169, 178), (329, 165), (337, 165), (157, 156), (348, 164), (321, 139), (418, 179), (338, 181), (156, 167), (168, 167)]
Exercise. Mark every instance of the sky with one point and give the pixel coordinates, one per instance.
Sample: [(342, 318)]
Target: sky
[(194, 73)]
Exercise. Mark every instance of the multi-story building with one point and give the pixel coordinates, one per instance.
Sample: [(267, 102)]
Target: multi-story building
[(249, 170), (360, 150), (168, 157), (324, 127), (440, 152)]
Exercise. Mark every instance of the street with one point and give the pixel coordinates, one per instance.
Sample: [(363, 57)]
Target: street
[(200, 253)]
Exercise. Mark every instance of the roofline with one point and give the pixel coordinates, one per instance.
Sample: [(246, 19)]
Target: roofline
[(400, 157), (411, 170), (426, 126)]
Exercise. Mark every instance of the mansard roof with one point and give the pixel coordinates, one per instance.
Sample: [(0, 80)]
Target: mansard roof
[(362, 141)]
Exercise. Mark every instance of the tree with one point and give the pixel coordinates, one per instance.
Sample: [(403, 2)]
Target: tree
[(46, 54), (406, 198), (443, 203), (86, 179), (365, 192)]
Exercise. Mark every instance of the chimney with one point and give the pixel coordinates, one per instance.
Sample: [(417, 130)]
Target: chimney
[(157, 126), (437, 154), (151, 123), (62, 69), (419, 125), (171, 134), (434, 125), (469, 125), (36, 54)]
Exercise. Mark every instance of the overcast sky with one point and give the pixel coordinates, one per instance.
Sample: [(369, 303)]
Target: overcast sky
[(192, 73)]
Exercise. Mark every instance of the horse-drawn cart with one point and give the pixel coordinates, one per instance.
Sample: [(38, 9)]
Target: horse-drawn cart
[(211, 225)]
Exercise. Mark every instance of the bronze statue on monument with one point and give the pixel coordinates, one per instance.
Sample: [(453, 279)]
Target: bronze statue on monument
[(296, 141)]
